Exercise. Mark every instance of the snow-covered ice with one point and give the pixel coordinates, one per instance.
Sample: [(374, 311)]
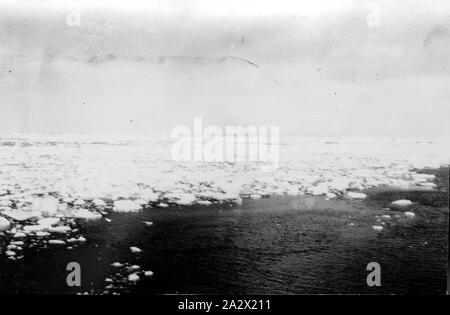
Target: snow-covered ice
[(126, 206), (42, 234), (148, 273), (377, 228), (133, 277), (356, 195), (402, 203), (48, 221), (4, 224), (116, 264), (86, 214), (135, 249), (204, 202), (79, 202), (47, 205), (99, 202), (60, 229), (21, 215), (134, 267)]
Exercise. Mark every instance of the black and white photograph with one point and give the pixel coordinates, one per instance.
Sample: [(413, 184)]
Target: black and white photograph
[(209, 148)]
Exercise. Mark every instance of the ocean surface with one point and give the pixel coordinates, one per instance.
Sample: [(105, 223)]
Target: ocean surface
[(276, 245)]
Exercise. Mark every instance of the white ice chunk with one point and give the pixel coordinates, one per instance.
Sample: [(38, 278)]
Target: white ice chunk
[(377, 228), (182, 199), (356, 195), (126, 206), (117, 264), (409, 214), (86, 214), (319, 189), (4, 224), (150, 195), (79, 202), (428, 185), (48, 221), (402, 203), (99, 203), (59, 229), (133, 277), (42, 234), (148, 273), (5, 203), (21, 215), (47, 205), (135, 249), (34, 228)]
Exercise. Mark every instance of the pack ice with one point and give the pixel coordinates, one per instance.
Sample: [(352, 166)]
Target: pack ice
[(49, 180)]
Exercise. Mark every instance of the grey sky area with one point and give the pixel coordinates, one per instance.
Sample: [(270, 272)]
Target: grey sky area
[(326, 68)]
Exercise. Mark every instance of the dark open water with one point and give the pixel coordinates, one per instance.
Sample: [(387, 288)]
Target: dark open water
[(278, 245)]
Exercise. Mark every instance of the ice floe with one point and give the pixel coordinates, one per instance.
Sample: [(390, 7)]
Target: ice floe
[(86, 214), (5, 203), (401, 203), (409, 214), (204, 202), (47, 205), (4, 224), (377, 228), (148, 273), (356, 195), (79, 202), (42, 234), (133, 277), (60, 229), (21, 215), (99, 202), (126, 206), (117, 264), (135, 249), (181, 198), (48, 221)]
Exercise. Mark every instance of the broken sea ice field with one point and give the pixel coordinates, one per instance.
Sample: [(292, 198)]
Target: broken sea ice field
[(51, 183), (63, 177)]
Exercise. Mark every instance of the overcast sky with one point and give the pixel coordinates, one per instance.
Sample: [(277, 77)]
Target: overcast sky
[(366, 68)]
